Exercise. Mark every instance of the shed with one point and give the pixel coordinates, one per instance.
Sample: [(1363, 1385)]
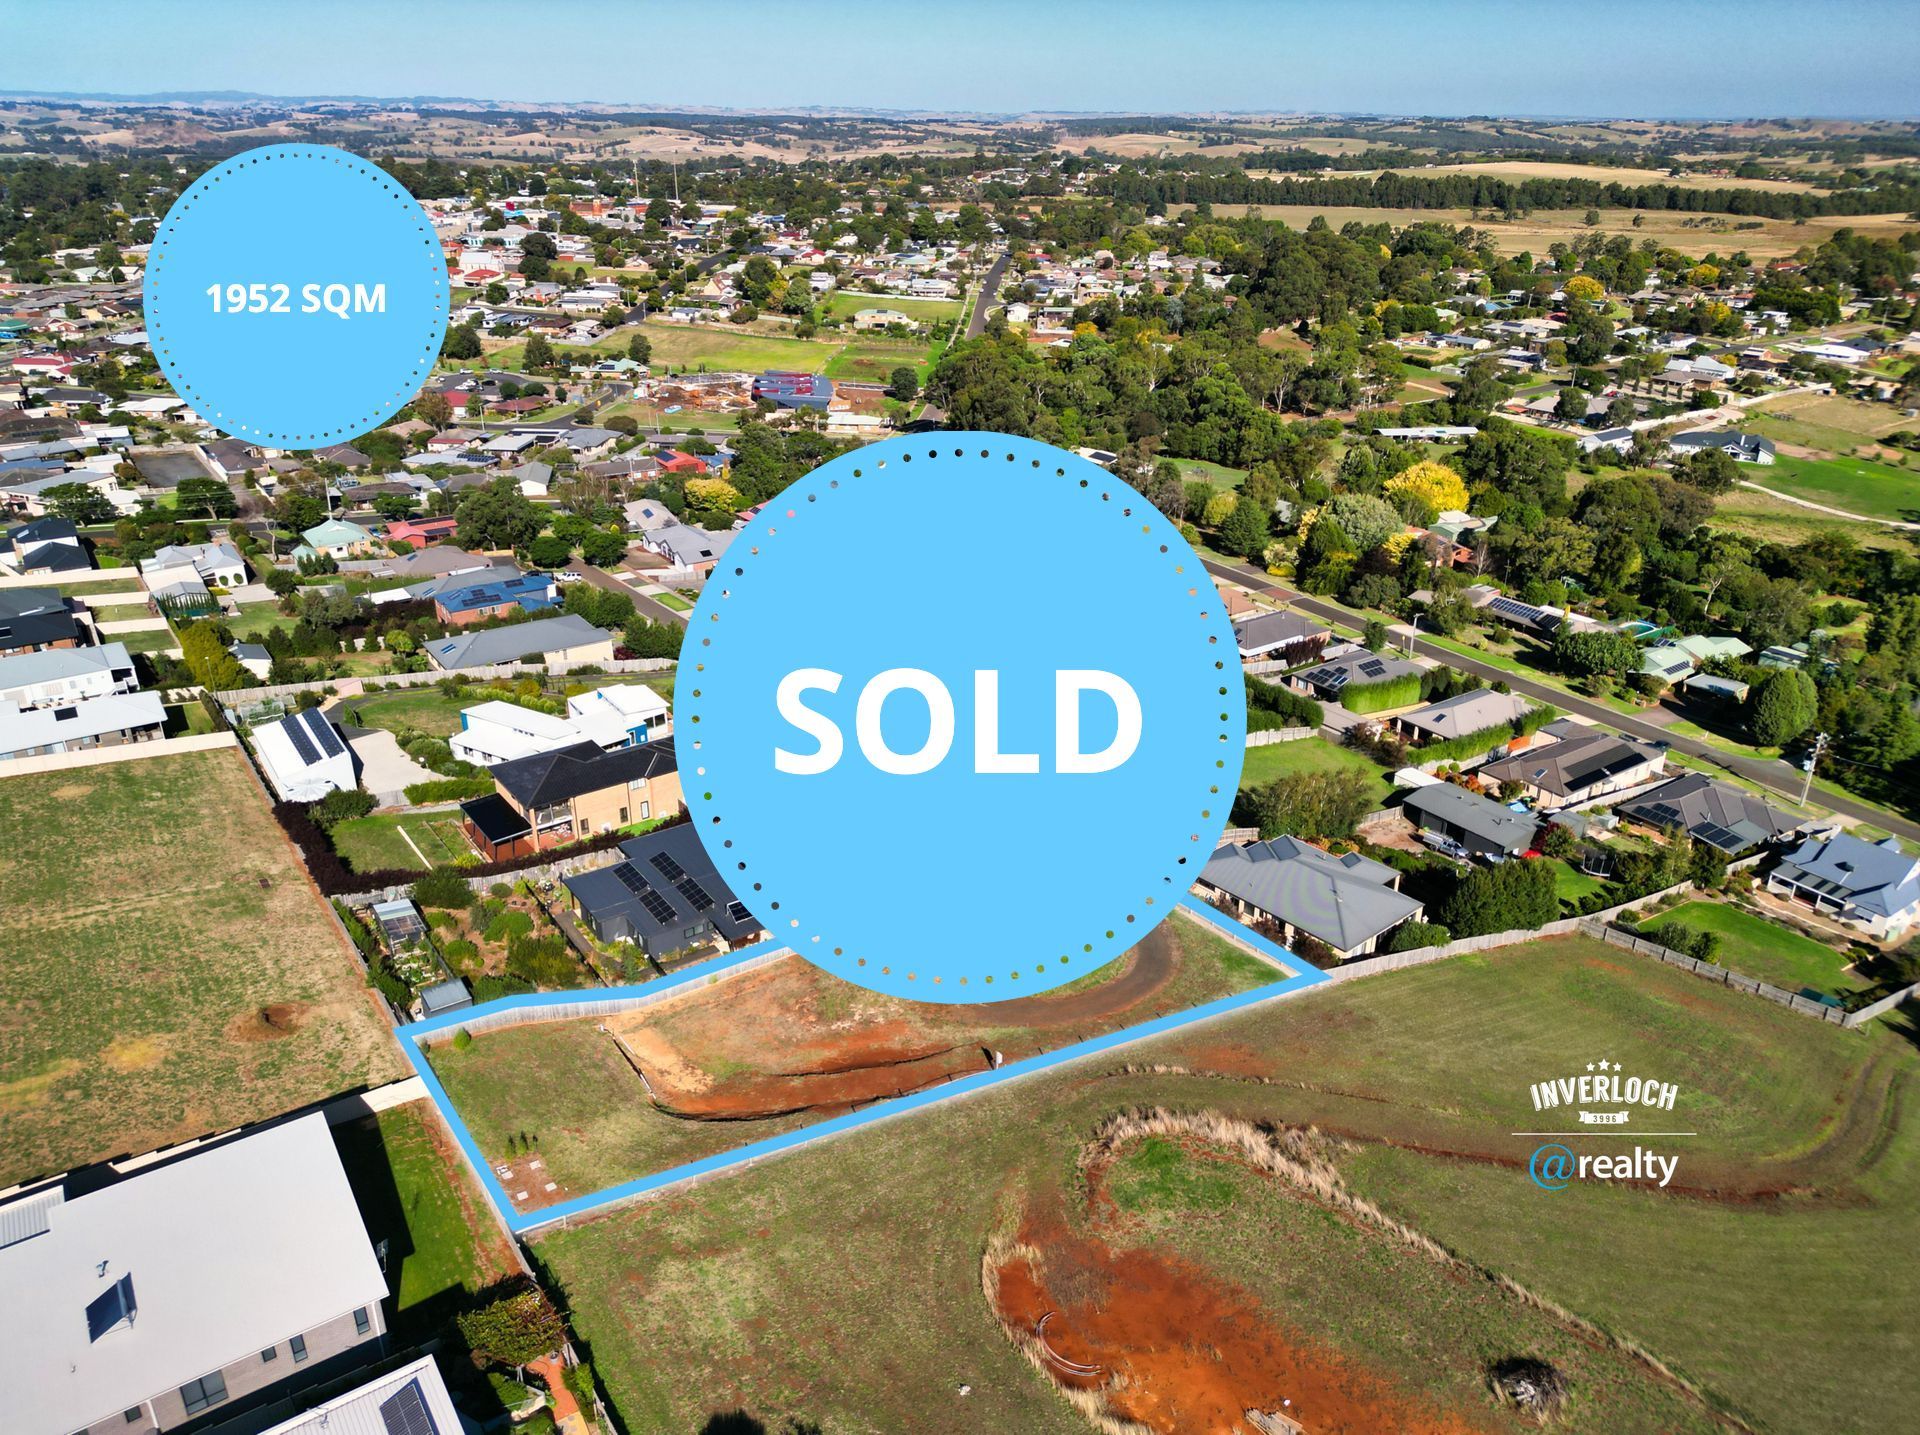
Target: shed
[(443, 997)]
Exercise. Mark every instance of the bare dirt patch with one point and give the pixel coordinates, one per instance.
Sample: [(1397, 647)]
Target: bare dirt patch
[(267, 1023)]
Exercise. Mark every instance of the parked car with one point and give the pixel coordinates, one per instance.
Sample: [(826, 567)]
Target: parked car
[(1445, 845), (569, 576)]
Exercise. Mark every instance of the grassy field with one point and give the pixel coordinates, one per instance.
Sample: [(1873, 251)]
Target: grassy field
[(1312, 754), (416, 1194), (1827, 421), (423, 709), (569, 1087), (872, 358), (689, 346), (842, 1284), (147, 640), (1872, 490), (844, 304), (170, 969), (1722, 234), (1756, 947), (1217, 474), (1774, 520)]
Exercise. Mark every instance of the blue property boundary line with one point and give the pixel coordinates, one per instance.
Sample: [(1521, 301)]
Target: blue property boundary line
[(414, 1035)]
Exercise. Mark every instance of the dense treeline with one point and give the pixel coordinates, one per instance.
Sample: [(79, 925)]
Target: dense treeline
[(1156, 191)]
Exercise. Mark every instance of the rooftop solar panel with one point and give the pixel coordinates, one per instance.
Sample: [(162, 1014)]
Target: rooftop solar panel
[(324, 735), (696, 894), (657, 906), (405, 1412), (664, 864), (630, 879), (737, 910), (296, 732)]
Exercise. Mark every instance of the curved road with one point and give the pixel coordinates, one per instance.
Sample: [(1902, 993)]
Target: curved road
[(1775, 776)]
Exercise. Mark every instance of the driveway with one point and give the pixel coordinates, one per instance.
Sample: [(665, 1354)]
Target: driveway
[(385, 770)]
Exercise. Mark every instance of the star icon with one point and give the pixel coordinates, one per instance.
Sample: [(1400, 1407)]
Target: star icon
[(1589, 1066), (1605, 1067)]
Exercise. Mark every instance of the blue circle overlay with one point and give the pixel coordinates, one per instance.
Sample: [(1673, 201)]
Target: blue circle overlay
[(954, 554), (294, 216)]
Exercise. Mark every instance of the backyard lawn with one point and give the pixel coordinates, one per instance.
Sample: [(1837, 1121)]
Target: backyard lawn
[(170, 971), (416, 1194), (1310, 754), (368, 844), (1756, 947)]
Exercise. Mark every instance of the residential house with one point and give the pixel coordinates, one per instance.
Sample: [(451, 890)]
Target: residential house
[(1740, 447), (32, 619), (1871, 886), (421, 532), (58, 676), (534, 478), (305, 757), (77, 726), (665, 895), (412, 1400), (338, 539), (552, 798), (485, 599), (567, 639), (1666, 661), (621, 714), (1727, 818), (1281, 637), (254, 657), (686, 546), (1348, 903), (496, 732), (215, 565), (218, 1280), (46, 545), (788, 390), (865, 320), (1329, 681), (646, 514), (1482, 826), (1579, 768), (1708, 688), (1479, 710)]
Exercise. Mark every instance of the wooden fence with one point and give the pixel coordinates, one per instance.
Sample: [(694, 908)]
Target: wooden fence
[(236, 698), (1278, 734)]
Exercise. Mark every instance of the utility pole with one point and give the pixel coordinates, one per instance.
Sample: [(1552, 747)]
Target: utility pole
[(1812, 761)]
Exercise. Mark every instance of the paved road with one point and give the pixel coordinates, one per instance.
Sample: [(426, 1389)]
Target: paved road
[(989, 291), (1778, 777)]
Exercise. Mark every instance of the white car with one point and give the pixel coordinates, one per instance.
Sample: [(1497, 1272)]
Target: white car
[(567, 577)]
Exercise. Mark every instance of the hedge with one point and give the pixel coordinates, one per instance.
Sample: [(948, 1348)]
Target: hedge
[(449, 789), (1271, 706), (1484, 740), (1397, 692)]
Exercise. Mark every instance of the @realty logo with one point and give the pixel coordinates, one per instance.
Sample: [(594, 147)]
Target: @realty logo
[(1604, 1085)]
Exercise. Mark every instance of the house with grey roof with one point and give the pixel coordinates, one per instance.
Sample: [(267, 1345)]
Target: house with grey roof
[(1348, 902), (54, 677), (1727, 818), (1740, 447), (198, 1289), (1485, 828), (412, 1400), (1871, 886), (1329, 681), (1478, 710), (1280, 637), (1579, 768), (304, 756), (568, 638), (77, 726)]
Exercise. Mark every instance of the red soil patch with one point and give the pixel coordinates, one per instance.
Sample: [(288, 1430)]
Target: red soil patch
[(1178, 1350), (839, 1048)]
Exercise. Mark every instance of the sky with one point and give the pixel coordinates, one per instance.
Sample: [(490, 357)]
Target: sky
[(1624, 58)]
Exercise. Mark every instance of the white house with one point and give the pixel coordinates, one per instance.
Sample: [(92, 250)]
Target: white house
[(55, 677), (621, 715), (74, 727), (305, 757), (616, 716), (219, 565)]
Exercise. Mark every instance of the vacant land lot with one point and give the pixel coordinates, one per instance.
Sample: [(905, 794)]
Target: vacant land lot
[(871, 359), (753, 1055), (415, 839), (169, 970), (845, 304), (1311, 754), (1827, 420), (842, 1284), (688, 346), (1872, 490), (1775, 520), (1756, 947)]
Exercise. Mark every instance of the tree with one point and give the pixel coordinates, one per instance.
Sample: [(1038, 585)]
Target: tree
[(603, 549), (498, 516), (461, 343), (79, 503), (1434, 484), (903, 384), (1313, 805), (1596, 652), (640, 349), (539, 353), (647, 639), (1584, 288), (206, 495), (1711, 470), (1513, 897), (1571, 407), (547, 551), (1784, 706), (514, 1330), (1246, 531), (1367, 521), (434, 409)]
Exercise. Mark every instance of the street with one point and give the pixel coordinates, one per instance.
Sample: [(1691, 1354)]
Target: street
[(1775, 776)]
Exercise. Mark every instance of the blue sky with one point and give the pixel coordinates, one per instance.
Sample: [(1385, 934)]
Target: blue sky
[(1435, 57)]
